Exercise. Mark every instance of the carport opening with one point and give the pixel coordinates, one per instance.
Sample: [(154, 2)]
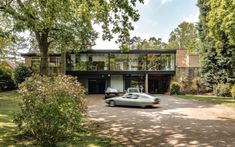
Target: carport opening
[(96, 86)]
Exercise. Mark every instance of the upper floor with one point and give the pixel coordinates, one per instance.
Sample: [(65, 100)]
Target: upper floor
[(113, 61)]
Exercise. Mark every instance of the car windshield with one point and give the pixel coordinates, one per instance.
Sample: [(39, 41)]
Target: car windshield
[(111, 89), (133, 90)]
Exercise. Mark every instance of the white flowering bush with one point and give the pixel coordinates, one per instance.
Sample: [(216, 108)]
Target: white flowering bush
[(52, 107)]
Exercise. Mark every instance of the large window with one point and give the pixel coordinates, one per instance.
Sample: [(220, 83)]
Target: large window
[(121, 62), (87, 62), (118, 62), (161, 62), (98, 62), (137, 62)]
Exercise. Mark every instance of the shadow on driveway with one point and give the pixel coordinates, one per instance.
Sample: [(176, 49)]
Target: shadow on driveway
[(176, 122)]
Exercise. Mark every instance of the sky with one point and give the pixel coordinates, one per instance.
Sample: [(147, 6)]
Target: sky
[(157, 18)]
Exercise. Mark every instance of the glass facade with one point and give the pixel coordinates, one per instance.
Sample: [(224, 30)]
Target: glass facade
[(120, 62), (54, 65)]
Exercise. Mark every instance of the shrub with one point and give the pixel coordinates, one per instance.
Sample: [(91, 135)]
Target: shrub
[(184, 84), (222, 90), (6, 82), (233, 91), (52, 108), (197, 85), (174, 88), (21, 73)]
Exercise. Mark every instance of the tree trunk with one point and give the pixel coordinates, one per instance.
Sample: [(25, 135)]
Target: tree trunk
[(44, 61), (42, 39)]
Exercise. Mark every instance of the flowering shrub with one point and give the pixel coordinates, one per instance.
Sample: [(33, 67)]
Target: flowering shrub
[(52, 107), (174, 88)]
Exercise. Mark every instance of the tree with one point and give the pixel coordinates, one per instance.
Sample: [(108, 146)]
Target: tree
[(209, 65), (218, 54), (221, 30), (68, 24), (151, 43), (185, 36)]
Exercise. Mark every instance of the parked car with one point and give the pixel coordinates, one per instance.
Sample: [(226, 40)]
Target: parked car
[(133, 99), (110, 92), (132, 90)]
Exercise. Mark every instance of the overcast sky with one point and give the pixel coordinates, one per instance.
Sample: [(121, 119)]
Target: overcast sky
[(158, 18)]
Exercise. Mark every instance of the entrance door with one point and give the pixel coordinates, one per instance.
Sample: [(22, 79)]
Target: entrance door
[(96, 86)]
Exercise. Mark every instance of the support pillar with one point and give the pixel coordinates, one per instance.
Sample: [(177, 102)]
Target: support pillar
[(146, 83)]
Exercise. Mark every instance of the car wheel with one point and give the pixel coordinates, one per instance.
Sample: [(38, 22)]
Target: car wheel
[(112, 104)]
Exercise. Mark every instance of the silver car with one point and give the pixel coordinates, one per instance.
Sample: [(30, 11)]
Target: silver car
[(133, 99)]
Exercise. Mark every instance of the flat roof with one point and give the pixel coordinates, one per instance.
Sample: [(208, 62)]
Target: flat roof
[(146, 51)]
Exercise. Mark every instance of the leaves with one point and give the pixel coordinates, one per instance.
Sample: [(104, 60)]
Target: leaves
[(185, 36)]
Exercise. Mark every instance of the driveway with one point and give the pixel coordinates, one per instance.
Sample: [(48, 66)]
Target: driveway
[(176, 122)]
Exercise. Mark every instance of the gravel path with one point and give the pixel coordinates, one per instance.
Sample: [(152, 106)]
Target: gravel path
[(176, 122)]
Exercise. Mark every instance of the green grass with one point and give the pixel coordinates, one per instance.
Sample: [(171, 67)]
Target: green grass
[(226, 101), (9, 104)]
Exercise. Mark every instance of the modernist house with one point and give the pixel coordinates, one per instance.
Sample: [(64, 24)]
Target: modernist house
[(151, 70)]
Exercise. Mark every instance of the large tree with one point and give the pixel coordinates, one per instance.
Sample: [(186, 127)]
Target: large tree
[(68, 24), (218, 52), (185, 36), (221, 29)]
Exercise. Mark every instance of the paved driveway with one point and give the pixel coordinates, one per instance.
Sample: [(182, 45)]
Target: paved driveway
[(176, 122)]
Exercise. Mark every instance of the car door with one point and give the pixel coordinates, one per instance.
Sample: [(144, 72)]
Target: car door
[(133, 100), (124, 100)]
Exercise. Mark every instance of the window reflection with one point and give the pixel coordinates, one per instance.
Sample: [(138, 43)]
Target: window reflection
[(121, 62), (137, 62), (118, 62)]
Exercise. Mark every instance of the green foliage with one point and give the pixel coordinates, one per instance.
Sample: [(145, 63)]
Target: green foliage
[(233, 91), (197, 85), (21, 73), (222, 90), (6, 82), (184, 84), (151, 43), (52, 108), (174, 88), (209, 69), (185, 36), (217, 35)]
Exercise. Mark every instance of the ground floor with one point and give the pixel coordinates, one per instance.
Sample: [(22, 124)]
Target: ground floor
[(176, 122), (151, 83)]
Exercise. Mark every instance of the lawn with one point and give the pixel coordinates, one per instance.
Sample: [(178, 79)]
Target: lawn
[(226, 101), (9, 104)]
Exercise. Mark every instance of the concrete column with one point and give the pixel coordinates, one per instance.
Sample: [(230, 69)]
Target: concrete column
[(146, 83)]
